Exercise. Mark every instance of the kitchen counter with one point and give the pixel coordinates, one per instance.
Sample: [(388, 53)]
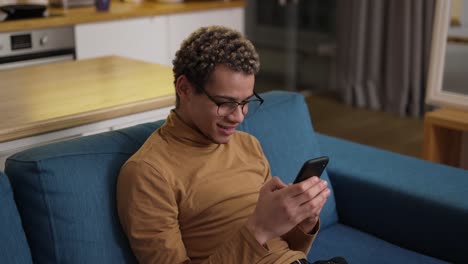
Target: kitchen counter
[(118, 10), (45, 98)]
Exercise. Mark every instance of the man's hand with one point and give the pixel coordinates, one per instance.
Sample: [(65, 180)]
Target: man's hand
[(309, 223), (281, 207)]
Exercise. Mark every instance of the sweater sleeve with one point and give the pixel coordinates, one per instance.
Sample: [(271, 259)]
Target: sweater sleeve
[(241, 248), (148, 211), (298, 240)]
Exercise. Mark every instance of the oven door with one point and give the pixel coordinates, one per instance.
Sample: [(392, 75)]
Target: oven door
[(29, 60)]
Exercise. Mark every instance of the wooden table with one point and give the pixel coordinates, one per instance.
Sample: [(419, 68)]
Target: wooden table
[(45, 98), (445, 137)]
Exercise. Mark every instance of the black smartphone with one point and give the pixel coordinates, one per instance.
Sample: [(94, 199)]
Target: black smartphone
[(312, 167)]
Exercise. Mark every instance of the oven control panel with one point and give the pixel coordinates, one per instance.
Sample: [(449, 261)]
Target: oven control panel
[(21, 41), (26, 42)]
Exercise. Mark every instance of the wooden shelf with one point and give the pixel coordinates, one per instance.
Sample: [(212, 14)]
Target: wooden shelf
[(457, 39)]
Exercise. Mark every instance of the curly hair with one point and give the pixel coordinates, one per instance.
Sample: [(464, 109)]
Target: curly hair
[(210, 46)]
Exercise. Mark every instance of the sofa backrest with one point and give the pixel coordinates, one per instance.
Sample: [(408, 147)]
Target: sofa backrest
[(14, 248), (65, 191), (283, 127)]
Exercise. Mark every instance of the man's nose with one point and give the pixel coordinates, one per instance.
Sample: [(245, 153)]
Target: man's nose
[(238, 115)]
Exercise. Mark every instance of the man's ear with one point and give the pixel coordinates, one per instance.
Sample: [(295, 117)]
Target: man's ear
[(183, 88)]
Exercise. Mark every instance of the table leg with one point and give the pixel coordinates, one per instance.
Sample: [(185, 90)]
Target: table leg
[(442, 145)]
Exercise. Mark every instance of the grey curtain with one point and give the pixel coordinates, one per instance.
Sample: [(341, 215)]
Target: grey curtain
[(383, 49)]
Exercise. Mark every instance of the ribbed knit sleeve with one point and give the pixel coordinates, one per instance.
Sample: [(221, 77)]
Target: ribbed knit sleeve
[(148, 213), (241, 248), (299, 240)]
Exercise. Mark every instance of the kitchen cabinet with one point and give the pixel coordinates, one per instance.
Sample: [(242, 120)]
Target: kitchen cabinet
[(181, 25), (139, 38), (152, 39)]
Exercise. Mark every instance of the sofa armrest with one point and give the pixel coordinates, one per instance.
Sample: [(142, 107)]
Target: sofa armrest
[(416, 204)]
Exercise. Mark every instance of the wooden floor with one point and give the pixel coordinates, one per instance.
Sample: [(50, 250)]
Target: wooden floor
[(374, 128)]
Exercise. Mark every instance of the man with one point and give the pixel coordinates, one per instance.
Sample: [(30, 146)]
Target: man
[(198, 191)]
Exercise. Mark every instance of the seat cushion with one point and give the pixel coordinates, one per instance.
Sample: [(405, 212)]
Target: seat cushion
[(359, 247), (13, 246), (283, 127)]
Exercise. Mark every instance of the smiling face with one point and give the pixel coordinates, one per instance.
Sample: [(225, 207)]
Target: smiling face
[(199, 112)]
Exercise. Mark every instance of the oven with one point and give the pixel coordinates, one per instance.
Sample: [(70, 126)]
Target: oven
[(38, 46)]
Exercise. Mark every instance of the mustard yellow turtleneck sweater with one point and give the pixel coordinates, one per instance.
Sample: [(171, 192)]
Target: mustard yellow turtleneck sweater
[(184, 199)]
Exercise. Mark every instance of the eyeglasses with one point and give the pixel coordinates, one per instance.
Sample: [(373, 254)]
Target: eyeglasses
[(248, 106)]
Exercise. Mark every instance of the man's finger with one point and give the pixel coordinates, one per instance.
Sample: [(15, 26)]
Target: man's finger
[(274, 184), (301, 187), (318, 191)]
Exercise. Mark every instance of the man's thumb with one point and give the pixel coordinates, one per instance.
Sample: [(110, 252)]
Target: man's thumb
[(275, 184)]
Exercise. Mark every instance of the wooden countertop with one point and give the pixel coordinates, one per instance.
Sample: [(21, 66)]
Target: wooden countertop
[(45, 98), (118, 10)]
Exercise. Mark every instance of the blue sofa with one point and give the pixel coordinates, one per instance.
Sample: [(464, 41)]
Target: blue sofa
[(384, 207)]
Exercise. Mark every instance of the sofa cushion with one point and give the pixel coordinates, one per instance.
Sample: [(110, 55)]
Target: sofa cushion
[(66, 195), (13, 246), (283, 127), (359, 247)]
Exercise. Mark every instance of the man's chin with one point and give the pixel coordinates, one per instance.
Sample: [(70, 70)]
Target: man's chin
[(221, 139)]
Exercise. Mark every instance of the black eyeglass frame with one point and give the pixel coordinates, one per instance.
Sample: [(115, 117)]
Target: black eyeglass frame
[(242, 104)]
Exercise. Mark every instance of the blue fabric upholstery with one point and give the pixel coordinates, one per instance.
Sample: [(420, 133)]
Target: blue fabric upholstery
[(360, 247), (288, 142), (417, 204), (14, 248), (66, 195)]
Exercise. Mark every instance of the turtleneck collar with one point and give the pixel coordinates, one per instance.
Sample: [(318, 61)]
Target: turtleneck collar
[(178, 129)]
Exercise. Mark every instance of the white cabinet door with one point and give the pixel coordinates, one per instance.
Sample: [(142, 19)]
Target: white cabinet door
[(181, 25), (141, 38)]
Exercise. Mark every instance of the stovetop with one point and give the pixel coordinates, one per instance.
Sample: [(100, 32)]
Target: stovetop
[(4, 17), (23, 11)]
